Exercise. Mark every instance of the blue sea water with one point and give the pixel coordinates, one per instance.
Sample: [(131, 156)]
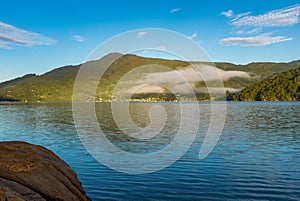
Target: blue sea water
[(257, 157)]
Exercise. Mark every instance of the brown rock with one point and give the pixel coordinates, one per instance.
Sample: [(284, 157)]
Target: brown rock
[(31, 172)]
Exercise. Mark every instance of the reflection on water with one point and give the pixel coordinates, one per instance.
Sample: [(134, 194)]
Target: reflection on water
[(257, 157), (140, 117)]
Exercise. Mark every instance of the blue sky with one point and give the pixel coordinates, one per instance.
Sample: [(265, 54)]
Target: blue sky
[(37, 36)]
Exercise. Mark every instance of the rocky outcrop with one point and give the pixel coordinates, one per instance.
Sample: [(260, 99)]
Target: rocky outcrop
[(31, 172)]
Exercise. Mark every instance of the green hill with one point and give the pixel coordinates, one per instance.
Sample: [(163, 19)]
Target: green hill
[(57, 85), (282, 87)]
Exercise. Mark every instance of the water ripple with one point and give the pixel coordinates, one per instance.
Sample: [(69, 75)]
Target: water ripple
[(257, 157)]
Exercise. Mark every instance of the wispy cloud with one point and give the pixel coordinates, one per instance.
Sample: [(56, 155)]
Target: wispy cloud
[(190, 74), (241, 15), (10, 36), (141, 34), (249, 31), (174, 10), (4, 47), (260, 40), (228, 13), (79, 38), (161, 47), (247, 24), (194, 35), (276, 18)]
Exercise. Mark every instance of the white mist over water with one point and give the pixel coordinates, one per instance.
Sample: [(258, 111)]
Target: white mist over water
[(188, 74)]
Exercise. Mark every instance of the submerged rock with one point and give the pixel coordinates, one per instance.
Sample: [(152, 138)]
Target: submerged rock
[(31, 172)]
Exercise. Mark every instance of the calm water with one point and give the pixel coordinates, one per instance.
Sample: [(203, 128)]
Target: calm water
[(257, 157)]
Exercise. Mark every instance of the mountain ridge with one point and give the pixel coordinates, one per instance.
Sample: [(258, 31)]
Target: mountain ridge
[(57, 84)]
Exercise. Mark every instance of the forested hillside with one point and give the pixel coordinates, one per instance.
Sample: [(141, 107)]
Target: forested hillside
[(282, 87)]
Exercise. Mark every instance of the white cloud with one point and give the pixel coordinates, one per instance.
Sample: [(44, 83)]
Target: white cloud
[(228, 13), (194, 35), (249, 31), (248, 24), (276, 18), (174, 10), (241, 15), (209, 73), (2, 46), (141, 34), (260, 40), (79, 38), (10, 36), (161, 47), (176, 80)]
